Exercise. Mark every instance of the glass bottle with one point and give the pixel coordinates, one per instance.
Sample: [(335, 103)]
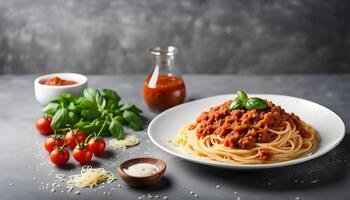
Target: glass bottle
[(163, 87)]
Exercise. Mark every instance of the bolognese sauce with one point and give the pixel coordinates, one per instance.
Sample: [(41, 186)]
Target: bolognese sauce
[(243, 128)]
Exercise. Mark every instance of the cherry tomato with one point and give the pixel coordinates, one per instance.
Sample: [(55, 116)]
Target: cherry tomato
[(53, 141), (59, 157), (43, 126), (97, 147), (82, 155), (70, 140)]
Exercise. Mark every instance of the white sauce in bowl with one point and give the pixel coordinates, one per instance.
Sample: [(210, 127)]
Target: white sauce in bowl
[(141, 170)]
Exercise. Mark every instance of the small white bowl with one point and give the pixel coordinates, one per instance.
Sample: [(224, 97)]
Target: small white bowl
[(44, 93)]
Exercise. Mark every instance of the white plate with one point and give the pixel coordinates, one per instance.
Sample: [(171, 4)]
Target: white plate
[(328, 124)]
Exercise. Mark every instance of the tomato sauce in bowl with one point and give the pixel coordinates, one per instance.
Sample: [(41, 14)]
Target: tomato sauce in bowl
[(57, 81), (163, 92)]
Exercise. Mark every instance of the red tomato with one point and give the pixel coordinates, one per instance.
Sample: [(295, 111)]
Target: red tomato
[(70, 140), (59, 157), (82, 155), (97, 147), (43, 126), (51, 142)]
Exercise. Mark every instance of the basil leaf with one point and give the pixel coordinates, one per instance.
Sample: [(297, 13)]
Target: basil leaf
[(135, 121), (135, 109), (86, 127), (67, 96), (103, 103), (126, 106), (116, 129), (56, 100), (111, 104), (236, 104), (50, 108), (130, 107), (60, 119), (90, 93), (117, 112), (86, 104), (121, 119), (255, 103), (110, 94), (81, 124), (98, 122), (242, 95), (72, 118), (71, 106), (91, 113), (98, 98)]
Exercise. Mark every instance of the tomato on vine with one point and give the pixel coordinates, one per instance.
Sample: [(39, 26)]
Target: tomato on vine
[(59, 156), (96, 143), (53, 141), (43, 125), (97, 146), (74, 136), (82, 154)]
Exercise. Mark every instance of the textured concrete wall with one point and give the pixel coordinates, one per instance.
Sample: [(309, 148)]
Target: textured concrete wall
[(218, 36)]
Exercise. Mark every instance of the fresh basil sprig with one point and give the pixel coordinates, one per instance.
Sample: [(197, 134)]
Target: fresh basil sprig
[(94, 111), (242, 101)]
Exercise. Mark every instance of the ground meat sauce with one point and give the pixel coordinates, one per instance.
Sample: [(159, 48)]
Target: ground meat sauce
[(243, 128), (57, 81)]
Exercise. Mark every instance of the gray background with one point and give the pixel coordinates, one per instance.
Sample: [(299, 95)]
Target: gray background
[(113, 36)]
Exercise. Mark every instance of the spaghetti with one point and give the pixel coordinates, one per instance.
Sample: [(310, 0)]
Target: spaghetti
[(90, 177), (247, 136)]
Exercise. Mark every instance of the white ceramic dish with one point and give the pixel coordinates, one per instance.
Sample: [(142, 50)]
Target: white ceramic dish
[(328, 124), (44, 93)]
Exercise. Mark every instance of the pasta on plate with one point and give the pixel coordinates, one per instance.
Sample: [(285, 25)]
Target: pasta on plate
[(247, 136)]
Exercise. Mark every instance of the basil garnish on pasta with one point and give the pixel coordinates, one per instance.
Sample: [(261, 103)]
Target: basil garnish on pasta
[(242, 101)]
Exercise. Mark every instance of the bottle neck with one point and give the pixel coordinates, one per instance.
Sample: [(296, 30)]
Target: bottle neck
[(165, 64)]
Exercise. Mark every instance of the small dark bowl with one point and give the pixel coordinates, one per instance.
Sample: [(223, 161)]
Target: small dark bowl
[(142, 181)]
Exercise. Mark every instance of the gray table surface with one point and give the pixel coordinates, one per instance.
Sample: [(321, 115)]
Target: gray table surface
[(26, 172)]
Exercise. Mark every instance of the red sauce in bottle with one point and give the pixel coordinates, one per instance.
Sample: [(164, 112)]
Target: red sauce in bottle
[(163, 93)]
